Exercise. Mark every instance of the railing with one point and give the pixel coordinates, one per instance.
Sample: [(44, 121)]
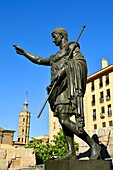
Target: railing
[(109, 113), (101, 100), (107, 98), (102, 115)]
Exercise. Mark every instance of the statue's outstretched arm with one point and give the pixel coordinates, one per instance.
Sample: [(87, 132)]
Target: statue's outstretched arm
[(35, 59)]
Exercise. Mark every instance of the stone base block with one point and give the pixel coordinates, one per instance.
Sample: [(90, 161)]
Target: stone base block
[(4, 164), (3, 153), (74, 164)]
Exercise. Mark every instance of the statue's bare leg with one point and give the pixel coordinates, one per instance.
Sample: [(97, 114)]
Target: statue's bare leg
[(69, 137), (65, 121)]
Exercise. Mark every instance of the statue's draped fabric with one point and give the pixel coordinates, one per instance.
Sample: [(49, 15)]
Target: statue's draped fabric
[(68, 92)]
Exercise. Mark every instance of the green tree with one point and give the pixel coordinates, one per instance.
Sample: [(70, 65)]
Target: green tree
[(56, 148), (42, 151), (59, 145)]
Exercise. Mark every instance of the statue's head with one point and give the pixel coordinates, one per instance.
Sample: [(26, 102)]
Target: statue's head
[(61, 31), (59, 36)]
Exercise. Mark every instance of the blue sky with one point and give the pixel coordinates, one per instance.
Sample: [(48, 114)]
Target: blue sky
[(28, 23)]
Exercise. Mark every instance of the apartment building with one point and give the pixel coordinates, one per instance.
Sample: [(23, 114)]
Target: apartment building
[(98, 100)]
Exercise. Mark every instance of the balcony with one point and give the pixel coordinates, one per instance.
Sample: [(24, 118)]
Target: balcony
[(102, 115), (101, 100), (109, 113), (107, 98)]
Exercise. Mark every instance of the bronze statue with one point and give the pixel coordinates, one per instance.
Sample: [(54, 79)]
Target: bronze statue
[(68, 83)]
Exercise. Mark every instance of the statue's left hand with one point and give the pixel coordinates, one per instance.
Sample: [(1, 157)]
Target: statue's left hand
[(19, 50)]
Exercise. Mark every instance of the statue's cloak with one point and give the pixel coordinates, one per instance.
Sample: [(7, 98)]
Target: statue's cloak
[(76, 81), (73, 84)]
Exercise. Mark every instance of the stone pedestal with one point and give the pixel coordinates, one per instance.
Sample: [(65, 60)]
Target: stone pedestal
[(75, 164)]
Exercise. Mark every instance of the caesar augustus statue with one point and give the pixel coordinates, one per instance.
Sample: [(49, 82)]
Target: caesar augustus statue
[(69, 74)]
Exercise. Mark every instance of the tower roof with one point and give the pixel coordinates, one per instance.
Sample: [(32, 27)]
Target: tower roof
[(25, 109)]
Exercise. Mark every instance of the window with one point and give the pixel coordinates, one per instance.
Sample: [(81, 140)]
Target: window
[(22, 130), (95, 126), (23, 119), (102, 114), (109, 110), (54, 125), (100, 82), (110, 123), (103, 124), (94, 114), (107, 94), (93, 100), (102, 109), (107, 79), (101, 97), (92, 86)]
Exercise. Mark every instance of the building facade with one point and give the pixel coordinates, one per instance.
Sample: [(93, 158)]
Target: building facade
[(54, 125), (98, 100), (6, 136)]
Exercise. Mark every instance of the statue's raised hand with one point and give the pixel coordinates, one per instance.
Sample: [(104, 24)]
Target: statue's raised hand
[(19, 50)]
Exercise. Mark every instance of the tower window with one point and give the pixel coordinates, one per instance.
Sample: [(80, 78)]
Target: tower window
[(23, 119), (100, 82), (54, 125)]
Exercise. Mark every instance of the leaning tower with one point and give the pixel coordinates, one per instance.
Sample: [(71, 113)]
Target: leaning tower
[(24, 124)]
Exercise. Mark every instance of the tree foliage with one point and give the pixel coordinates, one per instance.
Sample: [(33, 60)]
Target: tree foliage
[(43, 152), (59, 145), (56, 148)]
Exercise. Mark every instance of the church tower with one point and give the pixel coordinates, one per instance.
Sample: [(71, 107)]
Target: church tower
[(24, 124)]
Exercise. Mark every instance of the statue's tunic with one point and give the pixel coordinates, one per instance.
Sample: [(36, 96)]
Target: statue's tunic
[(64, 96)]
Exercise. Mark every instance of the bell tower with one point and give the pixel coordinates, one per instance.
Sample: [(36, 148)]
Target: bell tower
[(24, 123)]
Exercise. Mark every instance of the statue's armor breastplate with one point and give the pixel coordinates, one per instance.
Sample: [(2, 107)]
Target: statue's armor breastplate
[(57, 62)]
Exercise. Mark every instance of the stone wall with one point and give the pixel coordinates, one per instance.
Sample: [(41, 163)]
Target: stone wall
[(12, 158), (105, 137), (6, 136)]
